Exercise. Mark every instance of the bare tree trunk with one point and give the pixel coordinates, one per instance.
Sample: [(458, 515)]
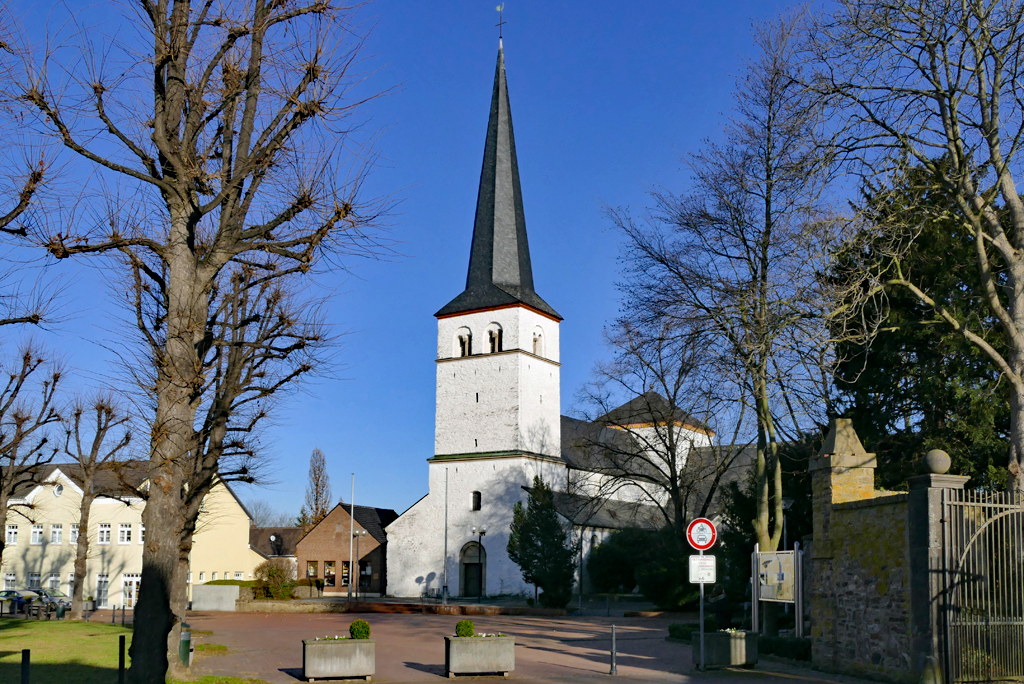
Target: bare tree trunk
[(82, 551)]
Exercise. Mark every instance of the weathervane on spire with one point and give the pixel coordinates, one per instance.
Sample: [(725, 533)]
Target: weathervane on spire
[(501, 22)]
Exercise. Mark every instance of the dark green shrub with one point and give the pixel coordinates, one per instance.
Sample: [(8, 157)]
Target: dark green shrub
[(529, 602), (465, 628), (360, 629)]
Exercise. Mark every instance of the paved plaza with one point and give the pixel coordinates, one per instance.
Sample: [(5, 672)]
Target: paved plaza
[(410, 648)]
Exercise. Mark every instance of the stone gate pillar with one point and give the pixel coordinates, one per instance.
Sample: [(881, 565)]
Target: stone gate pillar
[(842, 471), (924, 527)]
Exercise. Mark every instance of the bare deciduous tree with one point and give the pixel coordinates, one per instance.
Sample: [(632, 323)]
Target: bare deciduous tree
[(227, 139), (318, 491), (936, 84), (94, 457), (25, 446), (736, 258), (656, 450), (265, 515)]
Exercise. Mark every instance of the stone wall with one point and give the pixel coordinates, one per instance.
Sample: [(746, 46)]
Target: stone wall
[(875, 604), (860, 607)]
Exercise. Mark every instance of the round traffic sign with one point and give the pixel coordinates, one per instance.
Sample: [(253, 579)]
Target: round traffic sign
[(701, 534)]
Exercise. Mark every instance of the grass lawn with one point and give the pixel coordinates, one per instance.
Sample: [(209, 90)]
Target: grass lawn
[(68, 652), (62, 652)]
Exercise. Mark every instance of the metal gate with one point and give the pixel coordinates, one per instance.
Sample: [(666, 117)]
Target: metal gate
[(983, 539)]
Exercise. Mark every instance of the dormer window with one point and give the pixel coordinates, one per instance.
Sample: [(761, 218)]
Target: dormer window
[(476, 501)]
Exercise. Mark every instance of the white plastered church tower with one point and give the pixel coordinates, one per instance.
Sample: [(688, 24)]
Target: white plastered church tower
[(497, 423)]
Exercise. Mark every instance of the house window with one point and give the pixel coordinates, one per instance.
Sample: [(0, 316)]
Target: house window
[(71, 584), (73, 533), (124, 533), (56, 534), (213, 577), (102, 583), (239, 575), (37, 534), (202, 577), (329, 573), (33, 580), (53, 581), (476, 501), (12, 535), (311, 569), (9, 579), (142, 534), (104, 535)]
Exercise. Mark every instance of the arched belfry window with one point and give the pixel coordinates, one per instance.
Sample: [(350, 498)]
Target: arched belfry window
[(476, 501), (494, 338), (463, 343), (538, 341)]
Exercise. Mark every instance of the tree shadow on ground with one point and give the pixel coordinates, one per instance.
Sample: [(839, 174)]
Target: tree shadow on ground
[(428, 668), (61, 673)]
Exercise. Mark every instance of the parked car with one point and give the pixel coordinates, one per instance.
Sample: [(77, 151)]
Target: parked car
[(18, 597), (52, 598)]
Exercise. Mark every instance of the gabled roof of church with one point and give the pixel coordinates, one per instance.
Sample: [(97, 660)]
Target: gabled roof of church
[(650, 408), (499, 262)]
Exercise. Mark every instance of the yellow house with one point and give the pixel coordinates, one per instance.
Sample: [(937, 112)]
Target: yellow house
[(42, 536)]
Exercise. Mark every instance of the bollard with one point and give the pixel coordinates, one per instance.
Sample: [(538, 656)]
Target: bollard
[(614, 670), (113, 615), (122, 615), (608, 605), (120, 662), (25, 659)]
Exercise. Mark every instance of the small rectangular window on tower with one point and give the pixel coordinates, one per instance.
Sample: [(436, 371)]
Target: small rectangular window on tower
[(476, 501)]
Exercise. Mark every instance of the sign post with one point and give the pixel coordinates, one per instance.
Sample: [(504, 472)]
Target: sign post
[(701, 534)]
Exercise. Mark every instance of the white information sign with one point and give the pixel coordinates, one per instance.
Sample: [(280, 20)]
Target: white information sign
[(702, 570)]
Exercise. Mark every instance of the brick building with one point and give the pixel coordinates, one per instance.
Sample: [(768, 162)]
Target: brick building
[(323, 553)]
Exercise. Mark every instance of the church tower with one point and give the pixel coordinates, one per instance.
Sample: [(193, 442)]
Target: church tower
[(497, 342), (498, 423)]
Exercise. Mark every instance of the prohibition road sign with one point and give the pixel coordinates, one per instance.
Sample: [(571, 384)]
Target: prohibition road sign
[(701, 534)]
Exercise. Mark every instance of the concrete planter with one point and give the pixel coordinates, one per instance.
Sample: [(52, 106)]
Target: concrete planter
[(337, 658), (479, 655), (725, 649)]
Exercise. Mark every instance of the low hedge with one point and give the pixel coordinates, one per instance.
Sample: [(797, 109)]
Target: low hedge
[(685, 629), (785, 647), (230, 583)]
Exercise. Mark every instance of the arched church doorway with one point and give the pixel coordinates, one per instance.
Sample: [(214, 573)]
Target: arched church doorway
[(473, 571)]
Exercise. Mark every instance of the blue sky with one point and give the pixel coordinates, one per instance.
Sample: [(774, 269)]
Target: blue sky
[(606, 98)]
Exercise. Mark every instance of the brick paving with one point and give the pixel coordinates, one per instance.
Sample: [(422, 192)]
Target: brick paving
[(410, 648)]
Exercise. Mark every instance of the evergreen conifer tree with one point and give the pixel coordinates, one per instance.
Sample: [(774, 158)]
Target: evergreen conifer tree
[(542, 546)]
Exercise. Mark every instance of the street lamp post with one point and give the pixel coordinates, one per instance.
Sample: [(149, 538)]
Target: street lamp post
[(357, 534), (480, 532)]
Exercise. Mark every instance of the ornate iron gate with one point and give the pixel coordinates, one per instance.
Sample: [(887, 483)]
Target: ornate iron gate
[(983, 539)]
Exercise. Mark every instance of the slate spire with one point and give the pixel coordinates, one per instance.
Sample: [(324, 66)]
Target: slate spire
[(499, 261)]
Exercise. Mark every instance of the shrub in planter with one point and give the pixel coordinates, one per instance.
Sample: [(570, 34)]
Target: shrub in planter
[(360, 629), (470, 653), (332, 657), (465, 628)]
